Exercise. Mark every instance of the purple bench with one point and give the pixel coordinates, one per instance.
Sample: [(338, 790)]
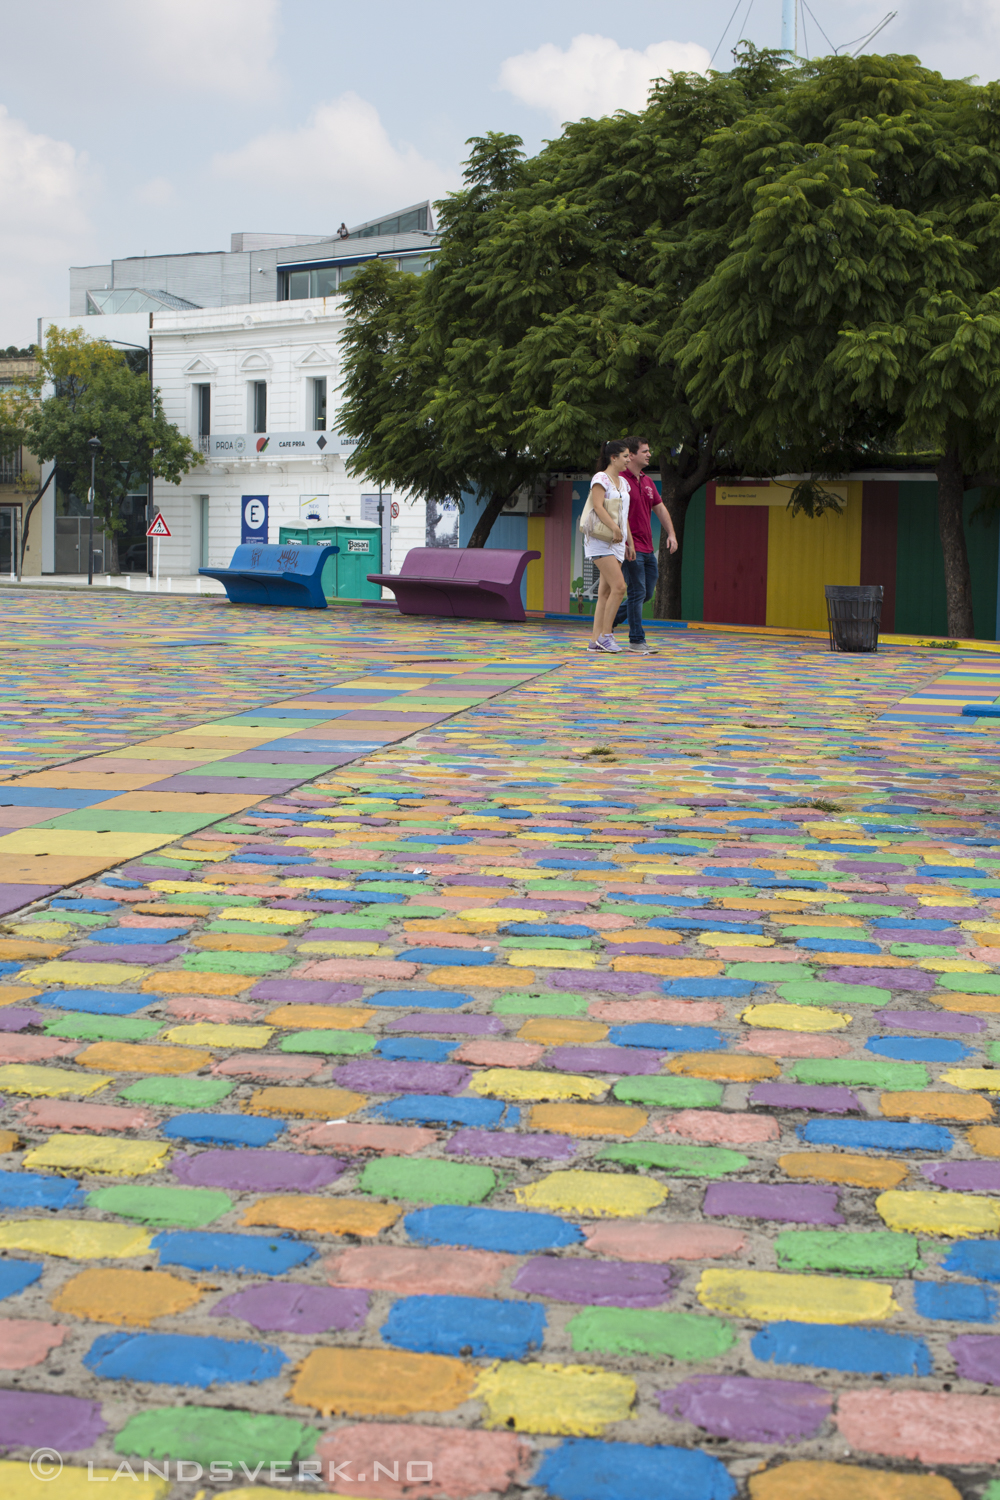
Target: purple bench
[(483, 583)]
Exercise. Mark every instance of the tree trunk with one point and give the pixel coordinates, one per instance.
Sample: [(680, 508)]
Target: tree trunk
[(957, 579), (484, 525), (678, 483), (667, 601), (26, 522)]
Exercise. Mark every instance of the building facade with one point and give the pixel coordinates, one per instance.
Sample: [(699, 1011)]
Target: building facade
[(244, 349), (19, 473), (256, 389), (257, 268)]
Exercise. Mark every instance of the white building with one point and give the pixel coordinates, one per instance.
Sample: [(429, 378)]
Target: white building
[(245, 352), (256, 389)]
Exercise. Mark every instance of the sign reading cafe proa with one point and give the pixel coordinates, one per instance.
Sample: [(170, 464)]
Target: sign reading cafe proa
[(250, 445)]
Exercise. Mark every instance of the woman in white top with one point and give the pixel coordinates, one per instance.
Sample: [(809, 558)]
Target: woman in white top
[(608, 557)]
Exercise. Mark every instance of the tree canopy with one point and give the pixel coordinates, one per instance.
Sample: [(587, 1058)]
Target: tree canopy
[(537, 332), (855, 314), (779, 269)]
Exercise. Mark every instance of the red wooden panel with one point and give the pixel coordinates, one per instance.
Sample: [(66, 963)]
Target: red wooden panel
[(557, 558), (879, 520), (735, 562)]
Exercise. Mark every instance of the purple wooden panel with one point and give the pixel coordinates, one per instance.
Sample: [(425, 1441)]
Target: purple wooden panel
[(879, 521), (735, 562)]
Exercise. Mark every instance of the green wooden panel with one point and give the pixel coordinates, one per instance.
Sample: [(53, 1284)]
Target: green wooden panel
[(982, 538), (921, 608), (920, 599), (693, 565)]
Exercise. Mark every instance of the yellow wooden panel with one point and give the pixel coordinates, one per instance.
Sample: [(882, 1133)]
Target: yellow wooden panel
[(768, 492), (535, 577), (803, 555)]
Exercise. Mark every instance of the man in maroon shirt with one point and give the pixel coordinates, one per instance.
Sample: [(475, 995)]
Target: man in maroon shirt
[(640, 574)]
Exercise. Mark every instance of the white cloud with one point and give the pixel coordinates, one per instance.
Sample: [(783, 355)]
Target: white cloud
[(224, 46), (594, 75), (44, 182), (341, 165)]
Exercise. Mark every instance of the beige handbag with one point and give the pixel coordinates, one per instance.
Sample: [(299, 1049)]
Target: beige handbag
[(593, 527)]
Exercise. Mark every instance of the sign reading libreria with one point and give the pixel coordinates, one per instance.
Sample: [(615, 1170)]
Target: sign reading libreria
[(277, 444)]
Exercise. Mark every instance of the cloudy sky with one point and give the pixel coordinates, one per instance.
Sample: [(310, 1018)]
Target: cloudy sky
[(132, 126)]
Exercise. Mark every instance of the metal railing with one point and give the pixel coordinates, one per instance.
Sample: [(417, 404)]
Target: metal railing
[(10, 469)]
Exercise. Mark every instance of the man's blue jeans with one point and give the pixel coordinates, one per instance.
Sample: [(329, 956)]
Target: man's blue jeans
[(641, 579)]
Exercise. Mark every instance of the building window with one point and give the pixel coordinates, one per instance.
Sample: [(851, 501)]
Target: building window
[(203, 409), (322, 282), (201, 519), (326, 281), (414, 222), (10, 466), (318, 413), (258, 404)]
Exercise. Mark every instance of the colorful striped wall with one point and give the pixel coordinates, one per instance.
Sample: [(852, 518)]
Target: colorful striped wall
[(748, 561)]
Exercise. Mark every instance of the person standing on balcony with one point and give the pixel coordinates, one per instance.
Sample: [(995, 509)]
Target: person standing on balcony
[(640, 571)]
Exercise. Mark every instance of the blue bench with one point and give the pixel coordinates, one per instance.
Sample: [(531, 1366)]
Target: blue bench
[(261, 573)]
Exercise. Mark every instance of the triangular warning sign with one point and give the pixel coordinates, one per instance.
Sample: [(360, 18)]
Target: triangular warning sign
[(159, 527)]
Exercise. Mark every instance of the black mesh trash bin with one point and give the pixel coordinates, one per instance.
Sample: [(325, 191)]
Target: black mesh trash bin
[(854, 613)]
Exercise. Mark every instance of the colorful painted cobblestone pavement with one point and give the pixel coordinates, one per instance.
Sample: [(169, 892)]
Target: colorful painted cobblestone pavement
[(436, 1063)]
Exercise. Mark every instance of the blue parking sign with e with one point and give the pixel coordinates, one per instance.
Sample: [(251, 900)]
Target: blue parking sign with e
[(254, 523)]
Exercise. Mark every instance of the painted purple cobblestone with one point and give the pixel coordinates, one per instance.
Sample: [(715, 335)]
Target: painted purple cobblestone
[(524, 1146), (796, 1203), (282, 1308), (831, 1100), (260, 1171), (595, 1283), (755, 1411), (372, 1076)]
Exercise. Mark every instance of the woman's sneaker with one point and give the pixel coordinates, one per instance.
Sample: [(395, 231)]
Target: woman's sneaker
[(595, 646), (607, 642)]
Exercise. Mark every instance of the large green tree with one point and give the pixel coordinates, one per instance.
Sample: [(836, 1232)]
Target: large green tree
[(855, 315), (776, 269), (589, 258), (94, 392), (538, 332)]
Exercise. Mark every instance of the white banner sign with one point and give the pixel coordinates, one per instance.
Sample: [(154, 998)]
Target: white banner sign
[(222, 445), (314, 507)]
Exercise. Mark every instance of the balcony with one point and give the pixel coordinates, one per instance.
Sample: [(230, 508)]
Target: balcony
[(11, 468)]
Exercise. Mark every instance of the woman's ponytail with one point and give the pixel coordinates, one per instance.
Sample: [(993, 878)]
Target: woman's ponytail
[(610, 450)]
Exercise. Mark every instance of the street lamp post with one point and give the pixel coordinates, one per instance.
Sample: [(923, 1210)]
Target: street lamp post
[(94, 444), (383, 563)]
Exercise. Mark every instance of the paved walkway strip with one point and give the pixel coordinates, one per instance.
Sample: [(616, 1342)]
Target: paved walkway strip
[(448, 1065)]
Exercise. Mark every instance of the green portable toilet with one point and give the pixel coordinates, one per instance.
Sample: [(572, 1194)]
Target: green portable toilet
[(316, 536), (360, 554)]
